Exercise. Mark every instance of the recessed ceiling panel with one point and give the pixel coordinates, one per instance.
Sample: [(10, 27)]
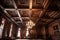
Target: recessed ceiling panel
[(24, 13), (13, 13), (37, 4), (22, 3)]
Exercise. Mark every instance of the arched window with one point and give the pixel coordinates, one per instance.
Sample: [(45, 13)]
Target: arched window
[(18, 35), (2, 27), (10, 34), (27, 32)]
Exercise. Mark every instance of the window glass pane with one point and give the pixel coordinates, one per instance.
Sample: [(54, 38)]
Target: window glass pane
[(18, 35)]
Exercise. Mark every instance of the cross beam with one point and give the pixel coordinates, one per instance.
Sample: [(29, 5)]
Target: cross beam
[(15, 6)]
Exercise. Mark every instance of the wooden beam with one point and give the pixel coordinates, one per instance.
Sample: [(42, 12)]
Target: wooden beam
[(22, 18), (8, 17), (17, 11)]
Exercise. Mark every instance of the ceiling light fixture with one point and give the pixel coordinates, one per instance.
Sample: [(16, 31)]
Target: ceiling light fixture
[(30, 24)]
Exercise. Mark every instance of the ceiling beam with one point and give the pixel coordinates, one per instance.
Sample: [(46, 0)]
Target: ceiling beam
[(10, 9), (22, 17), (8, 16), (20, 9), (45, 4), (17, 11), (18, 22), (43, 12), (30, 4), (52, 21)]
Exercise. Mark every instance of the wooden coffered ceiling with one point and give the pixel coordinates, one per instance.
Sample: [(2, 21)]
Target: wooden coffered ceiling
[(43, 11)]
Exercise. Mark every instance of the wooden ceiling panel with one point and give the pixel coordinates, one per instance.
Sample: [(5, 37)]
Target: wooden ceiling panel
[(22, 3), (24, 13), (19, 12), (36, 13), (37, 4), (13, 13)]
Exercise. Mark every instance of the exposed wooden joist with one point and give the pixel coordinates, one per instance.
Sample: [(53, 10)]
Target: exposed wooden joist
[(43, 12), (52, 21), (45, 8)]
